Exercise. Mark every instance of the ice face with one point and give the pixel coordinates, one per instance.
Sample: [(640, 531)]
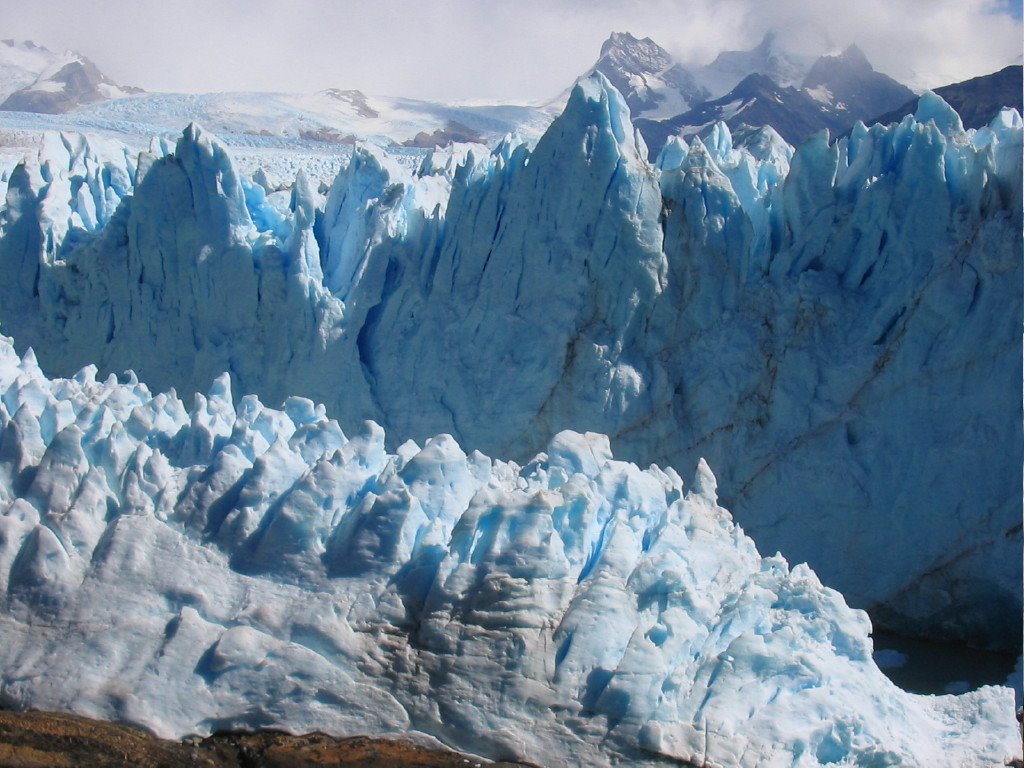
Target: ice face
[(833, 327), (233, 565)]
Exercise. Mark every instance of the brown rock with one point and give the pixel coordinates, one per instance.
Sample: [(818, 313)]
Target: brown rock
[(48, 740)]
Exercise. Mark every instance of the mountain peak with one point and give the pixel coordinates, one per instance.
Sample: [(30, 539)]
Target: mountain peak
[(623, 40), (853, 53), (646, 75), (768, 57), (23, 61), (848, 82), (757, 82), (850, 64), (639, 55)]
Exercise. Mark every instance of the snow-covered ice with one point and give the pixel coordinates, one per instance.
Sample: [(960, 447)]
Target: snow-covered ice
[(233, 566)]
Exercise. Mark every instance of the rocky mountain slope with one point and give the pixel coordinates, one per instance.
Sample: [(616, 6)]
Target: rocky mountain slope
[(756, 102), (22, 62), (977, 100), (59, 84), (649, 79), (768, 58), (836, 91), (849, 84)]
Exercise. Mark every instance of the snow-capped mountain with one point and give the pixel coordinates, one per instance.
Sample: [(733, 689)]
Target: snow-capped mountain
[(977, 100), (837, 91), (62, 82), (769, 58), (848, 83), (22, 62), (658, 88), (652, 82), (235, 566), (757, 101), (777, 312)]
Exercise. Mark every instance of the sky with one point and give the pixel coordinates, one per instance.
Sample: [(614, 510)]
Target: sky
[(524, 51)]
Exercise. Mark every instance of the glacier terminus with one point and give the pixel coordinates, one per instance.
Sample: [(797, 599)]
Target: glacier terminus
[(845, 310), (825, 338)]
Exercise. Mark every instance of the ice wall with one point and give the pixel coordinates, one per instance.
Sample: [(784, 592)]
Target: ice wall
[(835, 328)]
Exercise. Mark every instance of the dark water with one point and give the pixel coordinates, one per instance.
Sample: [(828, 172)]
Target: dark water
[(938, 667)]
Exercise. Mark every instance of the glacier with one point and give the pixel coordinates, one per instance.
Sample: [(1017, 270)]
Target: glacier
[(236, 566), (834, 327)]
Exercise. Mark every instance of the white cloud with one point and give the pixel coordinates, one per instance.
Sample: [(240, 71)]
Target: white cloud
[(920, 42), (460, 49)]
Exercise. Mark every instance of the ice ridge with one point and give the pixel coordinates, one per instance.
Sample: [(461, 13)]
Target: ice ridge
[(847, 310), (232, 565)]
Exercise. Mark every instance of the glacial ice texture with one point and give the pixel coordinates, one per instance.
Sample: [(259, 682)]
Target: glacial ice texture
[(836, 328), (238, 566)]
